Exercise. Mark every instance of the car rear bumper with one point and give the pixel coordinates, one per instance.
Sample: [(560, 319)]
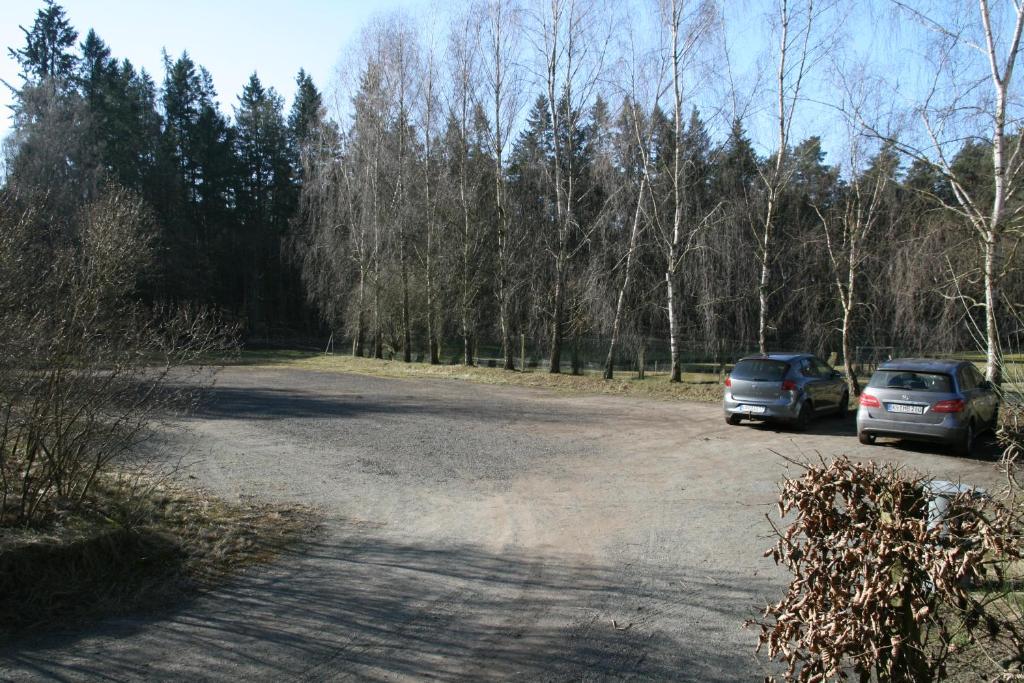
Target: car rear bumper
[(949, 430), (773, 410)]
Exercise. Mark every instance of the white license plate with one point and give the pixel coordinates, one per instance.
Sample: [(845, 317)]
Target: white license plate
[(903, 408), (752, 409)]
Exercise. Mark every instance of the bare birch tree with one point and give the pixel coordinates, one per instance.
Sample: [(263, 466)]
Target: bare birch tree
[(973, 89), (566, 36), (429, 110), (794, 56), (848, 229), (464, 71), (502, 92), (636, 65), (401, 53), (627, 276), (685, 25)]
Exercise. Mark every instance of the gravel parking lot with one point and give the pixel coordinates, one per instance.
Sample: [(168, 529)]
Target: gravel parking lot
[(476, 532)]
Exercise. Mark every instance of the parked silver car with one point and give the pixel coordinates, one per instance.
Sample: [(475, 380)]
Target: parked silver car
[(791, 387), (946, 401)]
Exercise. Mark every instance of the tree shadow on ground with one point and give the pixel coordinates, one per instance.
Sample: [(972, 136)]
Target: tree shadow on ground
[(372, 609), (244, 403)]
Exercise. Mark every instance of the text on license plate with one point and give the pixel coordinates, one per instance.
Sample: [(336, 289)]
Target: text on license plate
[(752, 409), (903, 408)]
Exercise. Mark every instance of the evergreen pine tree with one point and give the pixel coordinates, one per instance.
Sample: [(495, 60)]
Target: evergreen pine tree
[(49, 46)]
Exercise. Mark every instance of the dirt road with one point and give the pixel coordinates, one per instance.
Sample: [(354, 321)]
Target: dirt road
[(476, 532)]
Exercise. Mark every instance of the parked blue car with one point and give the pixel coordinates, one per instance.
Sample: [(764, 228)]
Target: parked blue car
[(788, 387), (944, 401)]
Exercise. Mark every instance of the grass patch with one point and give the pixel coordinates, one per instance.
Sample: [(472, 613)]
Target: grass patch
[(696, 386), (94, 564)]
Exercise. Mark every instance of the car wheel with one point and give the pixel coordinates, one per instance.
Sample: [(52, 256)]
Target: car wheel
[(965, 446), (803, 418), (865, 438), (733, 419), (844, 406)]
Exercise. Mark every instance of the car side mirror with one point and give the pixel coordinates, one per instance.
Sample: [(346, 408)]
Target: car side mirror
[(837, 375), (985, 385)]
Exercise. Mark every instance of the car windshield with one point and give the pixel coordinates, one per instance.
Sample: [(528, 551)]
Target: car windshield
[(908, 380), (760, 370)]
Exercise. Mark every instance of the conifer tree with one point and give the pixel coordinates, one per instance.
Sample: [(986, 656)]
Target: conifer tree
[(49, 46)]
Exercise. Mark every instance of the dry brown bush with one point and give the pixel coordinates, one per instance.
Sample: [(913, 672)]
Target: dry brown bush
[(87, 365), (879, 593)]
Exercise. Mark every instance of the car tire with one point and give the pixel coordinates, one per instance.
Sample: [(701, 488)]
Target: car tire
[(733, 419), (866, 439), (844, 406), (964, 447), (803, 418)]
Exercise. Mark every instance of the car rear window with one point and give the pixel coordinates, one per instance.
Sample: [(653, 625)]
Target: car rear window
[(759, 370), (908, 380)]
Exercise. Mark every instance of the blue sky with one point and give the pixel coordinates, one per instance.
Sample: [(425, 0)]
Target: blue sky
[(231, 38)]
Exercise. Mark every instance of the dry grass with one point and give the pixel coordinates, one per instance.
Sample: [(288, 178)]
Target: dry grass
[(93, 564), (704, 387)]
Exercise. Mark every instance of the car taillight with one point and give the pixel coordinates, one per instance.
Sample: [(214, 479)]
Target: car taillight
[(955, 405), (789, 385), (869, 401), (728, 380)]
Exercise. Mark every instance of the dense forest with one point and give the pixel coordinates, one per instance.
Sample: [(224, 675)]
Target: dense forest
[(515, 186), (221, 190)]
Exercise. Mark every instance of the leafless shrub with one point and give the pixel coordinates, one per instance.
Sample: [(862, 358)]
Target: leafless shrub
[(88, 366), (877, 591)]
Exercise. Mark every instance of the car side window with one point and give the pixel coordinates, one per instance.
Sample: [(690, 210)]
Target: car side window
[(978, 378), (822, 369), (966, 379), (806, 368)]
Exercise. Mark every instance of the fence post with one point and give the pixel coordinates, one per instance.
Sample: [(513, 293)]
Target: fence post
[(522, 352)]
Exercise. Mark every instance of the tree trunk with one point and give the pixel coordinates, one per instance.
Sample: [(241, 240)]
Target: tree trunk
[(561, 220), (762, 287), (431, 304), (468, 285), (467, 341), (556, 324), (673, 326), (406, 325), (677, 196), (465, 304), (1001, 83), (993, 355), (508, 362), (432, 351), (498, 41), (378, 336), (852, 385), (609, 364), (359, 338), (504, 293), (431, 322)]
